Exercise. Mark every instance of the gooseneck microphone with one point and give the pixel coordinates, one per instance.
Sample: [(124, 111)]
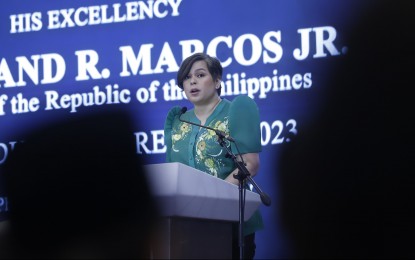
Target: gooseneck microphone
[(243, 171), (219, 133)]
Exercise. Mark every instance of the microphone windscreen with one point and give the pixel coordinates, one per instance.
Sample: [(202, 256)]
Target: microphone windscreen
[(184, 109)]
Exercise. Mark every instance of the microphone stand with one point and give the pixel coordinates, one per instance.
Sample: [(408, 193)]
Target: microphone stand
[(243, 174)]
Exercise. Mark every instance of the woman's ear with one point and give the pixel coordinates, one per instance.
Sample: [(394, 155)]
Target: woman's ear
[(218, 81)]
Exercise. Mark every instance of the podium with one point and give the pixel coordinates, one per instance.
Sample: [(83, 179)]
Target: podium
[(198, 211)]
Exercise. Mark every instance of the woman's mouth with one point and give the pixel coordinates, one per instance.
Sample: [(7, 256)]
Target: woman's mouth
[(194, 91)]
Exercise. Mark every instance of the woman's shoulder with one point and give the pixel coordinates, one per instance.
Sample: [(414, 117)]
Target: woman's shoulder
[(243, 102), (173, 113), (176, 110)]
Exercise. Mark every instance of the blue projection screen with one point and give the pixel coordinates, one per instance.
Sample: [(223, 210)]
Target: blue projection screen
[(60, 59)]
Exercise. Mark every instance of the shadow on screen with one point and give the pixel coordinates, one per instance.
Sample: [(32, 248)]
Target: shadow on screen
[(345, 183), (76, 188)]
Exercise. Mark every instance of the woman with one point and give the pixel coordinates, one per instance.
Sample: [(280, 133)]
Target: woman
[(200, 77)]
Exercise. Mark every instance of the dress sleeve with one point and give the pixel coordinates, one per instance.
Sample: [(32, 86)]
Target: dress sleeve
[(244, 125), (172, 115)]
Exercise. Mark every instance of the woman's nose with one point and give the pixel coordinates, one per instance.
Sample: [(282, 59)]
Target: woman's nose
[(193, 80)]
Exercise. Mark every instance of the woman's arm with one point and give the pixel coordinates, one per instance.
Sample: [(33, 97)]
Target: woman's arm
[(252, 165)]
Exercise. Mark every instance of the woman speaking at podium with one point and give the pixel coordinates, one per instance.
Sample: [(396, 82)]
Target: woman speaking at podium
[(192, 136)]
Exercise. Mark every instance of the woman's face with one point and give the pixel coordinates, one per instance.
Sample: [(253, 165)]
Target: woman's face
[(199, 86)]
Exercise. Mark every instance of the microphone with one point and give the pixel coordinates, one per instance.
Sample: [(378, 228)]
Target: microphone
[(219, 133), (264, 197), (182, 111)]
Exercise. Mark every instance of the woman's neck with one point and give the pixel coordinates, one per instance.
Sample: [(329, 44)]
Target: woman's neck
[(202, 112)]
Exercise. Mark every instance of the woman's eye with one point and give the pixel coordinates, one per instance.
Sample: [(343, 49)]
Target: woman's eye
[(187, 77), (200, 75)]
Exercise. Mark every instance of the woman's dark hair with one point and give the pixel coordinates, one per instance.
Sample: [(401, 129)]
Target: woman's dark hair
[(213, 64)]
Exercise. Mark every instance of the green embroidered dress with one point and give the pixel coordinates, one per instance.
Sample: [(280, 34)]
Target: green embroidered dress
[(198, 147)]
